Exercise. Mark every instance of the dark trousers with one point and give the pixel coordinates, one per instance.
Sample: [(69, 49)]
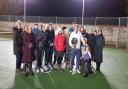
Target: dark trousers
[(59, 60), (40, 57), (86, 67), (48, 55), (54, 60), (19, 56), (98, 66), (75, 52)]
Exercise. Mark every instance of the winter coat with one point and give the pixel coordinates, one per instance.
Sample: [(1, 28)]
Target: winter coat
[(60, 43), (87, 56), (98, 48), (40, 38), (17, 40), (28, 53)]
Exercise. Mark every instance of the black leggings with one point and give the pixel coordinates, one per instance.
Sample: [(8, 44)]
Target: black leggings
[(54, 60), (59, 60), (48, 56)]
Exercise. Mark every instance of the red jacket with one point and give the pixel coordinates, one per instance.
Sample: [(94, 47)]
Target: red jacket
[(60, 43)]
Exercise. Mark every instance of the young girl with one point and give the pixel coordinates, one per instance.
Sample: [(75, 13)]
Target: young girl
[(59, 46), (86, 55)]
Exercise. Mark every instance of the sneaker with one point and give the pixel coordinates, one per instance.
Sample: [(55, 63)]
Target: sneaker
[(50, 67), (38, 71), (48, 71), (74, 72), (70, 71), (86, 75), (78, 71), (42, 70)]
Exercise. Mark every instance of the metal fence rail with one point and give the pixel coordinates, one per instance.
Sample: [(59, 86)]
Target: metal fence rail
[(122, 21)]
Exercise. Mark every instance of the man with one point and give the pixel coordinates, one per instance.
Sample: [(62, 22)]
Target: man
[(72, 28), (17, 44), (35, 29), (75, 43), (40, 47)]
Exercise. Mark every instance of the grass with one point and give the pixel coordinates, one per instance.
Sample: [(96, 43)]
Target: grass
[(60, 80)]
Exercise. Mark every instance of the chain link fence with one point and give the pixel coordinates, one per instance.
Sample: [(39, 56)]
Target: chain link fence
[(115, 29), (123, 21)]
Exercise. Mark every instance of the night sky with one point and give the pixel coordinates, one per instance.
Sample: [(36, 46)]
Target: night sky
[(66, 8)]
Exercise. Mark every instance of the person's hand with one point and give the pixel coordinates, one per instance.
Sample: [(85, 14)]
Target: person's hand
[(30, 45), (51, 44), (73, 46)]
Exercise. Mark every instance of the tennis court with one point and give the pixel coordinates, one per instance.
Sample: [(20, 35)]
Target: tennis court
[(114, 73)]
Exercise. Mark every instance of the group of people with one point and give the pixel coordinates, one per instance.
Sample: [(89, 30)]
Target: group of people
[(73, 48)]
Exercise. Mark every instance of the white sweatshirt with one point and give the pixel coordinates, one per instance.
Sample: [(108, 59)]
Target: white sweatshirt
[(78, 36)]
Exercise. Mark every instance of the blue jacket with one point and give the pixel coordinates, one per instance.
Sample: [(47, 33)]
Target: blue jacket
[(34, 30)]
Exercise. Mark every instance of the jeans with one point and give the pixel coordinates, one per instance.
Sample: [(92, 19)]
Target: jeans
[(40, 57), (18, 59), (75, 52)]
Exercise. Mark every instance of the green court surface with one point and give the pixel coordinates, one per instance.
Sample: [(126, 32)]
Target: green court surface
[(61, 80), (114, 73)]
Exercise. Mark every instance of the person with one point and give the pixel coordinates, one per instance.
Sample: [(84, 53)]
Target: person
[(49, 49), (40, 47), (35, 28), (92, 42), (28, 49), (84, 32), (59, 45), (86, 55), (75, 43), (18, 44), (98, 49), (72, 28), (58, 28), (68, 49)]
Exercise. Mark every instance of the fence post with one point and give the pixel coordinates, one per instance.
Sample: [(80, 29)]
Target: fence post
[(9, 18), (95, 21), (127, 36), (39, 19), (75, 19), (117, 33), (56, 19)]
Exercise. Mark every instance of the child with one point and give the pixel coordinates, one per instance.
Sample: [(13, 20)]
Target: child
[(86, 55), (59, 46)]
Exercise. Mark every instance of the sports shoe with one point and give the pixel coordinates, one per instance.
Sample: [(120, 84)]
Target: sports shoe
[(41, 70), (73, 72), (78, 71), (38, 71)]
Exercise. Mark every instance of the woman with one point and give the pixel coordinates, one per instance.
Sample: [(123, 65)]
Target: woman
[(98, 49), (49, 48), (28, 48), (59, 45)]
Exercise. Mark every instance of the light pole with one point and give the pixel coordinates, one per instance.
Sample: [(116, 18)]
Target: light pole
[(83, 12), (24, 11)]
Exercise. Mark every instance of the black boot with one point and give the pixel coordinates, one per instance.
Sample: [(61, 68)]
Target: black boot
[(25, 69), (98, 66), (86, 75), (30, 69)]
